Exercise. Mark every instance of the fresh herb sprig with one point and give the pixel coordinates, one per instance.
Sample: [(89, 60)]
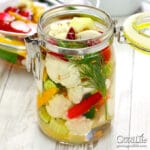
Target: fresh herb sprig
[(91, 70)]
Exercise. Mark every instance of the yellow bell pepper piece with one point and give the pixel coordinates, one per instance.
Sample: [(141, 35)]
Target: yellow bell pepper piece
[(12, 42), (43, 98)]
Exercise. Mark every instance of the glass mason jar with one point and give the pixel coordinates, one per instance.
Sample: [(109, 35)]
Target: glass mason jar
[(73, 62)]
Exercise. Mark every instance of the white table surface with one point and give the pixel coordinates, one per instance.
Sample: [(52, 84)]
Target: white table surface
[(18, 121)]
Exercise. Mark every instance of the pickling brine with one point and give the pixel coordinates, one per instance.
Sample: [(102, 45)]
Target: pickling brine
[(75, 100)]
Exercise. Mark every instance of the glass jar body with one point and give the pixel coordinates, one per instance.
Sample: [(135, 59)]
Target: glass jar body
[(75, 99), (69, 82)]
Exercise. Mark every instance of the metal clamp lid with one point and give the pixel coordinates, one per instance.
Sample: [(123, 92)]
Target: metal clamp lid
[(33, 60)]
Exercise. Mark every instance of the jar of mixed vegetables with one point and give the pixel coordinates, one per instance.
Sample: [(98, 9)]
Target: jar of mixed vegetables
[(73, 62), (16, 22)]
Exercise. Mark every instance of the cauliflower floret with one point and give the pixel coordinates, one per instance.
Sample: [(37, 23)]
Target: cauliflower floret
[(88, 34), (59, 28), (62, 72), (61, 36), (87, 90), (79, 126), (75, 94), (58, 106)]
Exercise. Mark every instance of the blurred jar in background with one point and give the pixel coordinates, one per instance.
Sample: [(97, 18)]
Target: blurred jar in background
[(120, 7)]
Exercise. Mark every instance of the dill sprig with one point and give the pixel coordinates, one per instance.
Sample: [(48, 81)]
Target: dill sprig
[(91, 67)]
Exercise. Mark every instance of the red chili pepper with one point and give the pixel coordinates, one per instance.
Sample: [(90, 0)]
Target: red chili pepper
[(81, 108), (71, 34), (60, 56), (106, 53)]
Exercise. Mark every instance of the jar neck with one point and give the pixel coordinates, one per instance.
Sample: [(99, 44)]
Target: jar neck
[(75, 47)]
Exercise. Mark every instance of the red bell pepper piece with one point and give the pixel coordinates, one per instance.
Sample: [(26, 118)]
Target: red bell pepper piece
[(60, 56), (106, 53), (71, 34), (92, 42), (83, 107)]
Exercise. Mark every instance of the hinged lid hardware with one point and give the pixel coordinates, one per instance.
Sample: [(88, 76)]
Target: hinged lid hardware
[(120, 35), (33, 60)]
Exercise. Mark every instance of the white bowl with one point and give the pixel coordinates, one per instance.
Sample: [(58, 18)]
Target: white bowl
[(120, 7)]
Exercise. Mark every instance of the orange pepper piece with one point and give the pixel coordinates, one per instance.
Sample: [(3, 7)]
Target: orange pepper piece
[(100, 103), (43, 98)]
